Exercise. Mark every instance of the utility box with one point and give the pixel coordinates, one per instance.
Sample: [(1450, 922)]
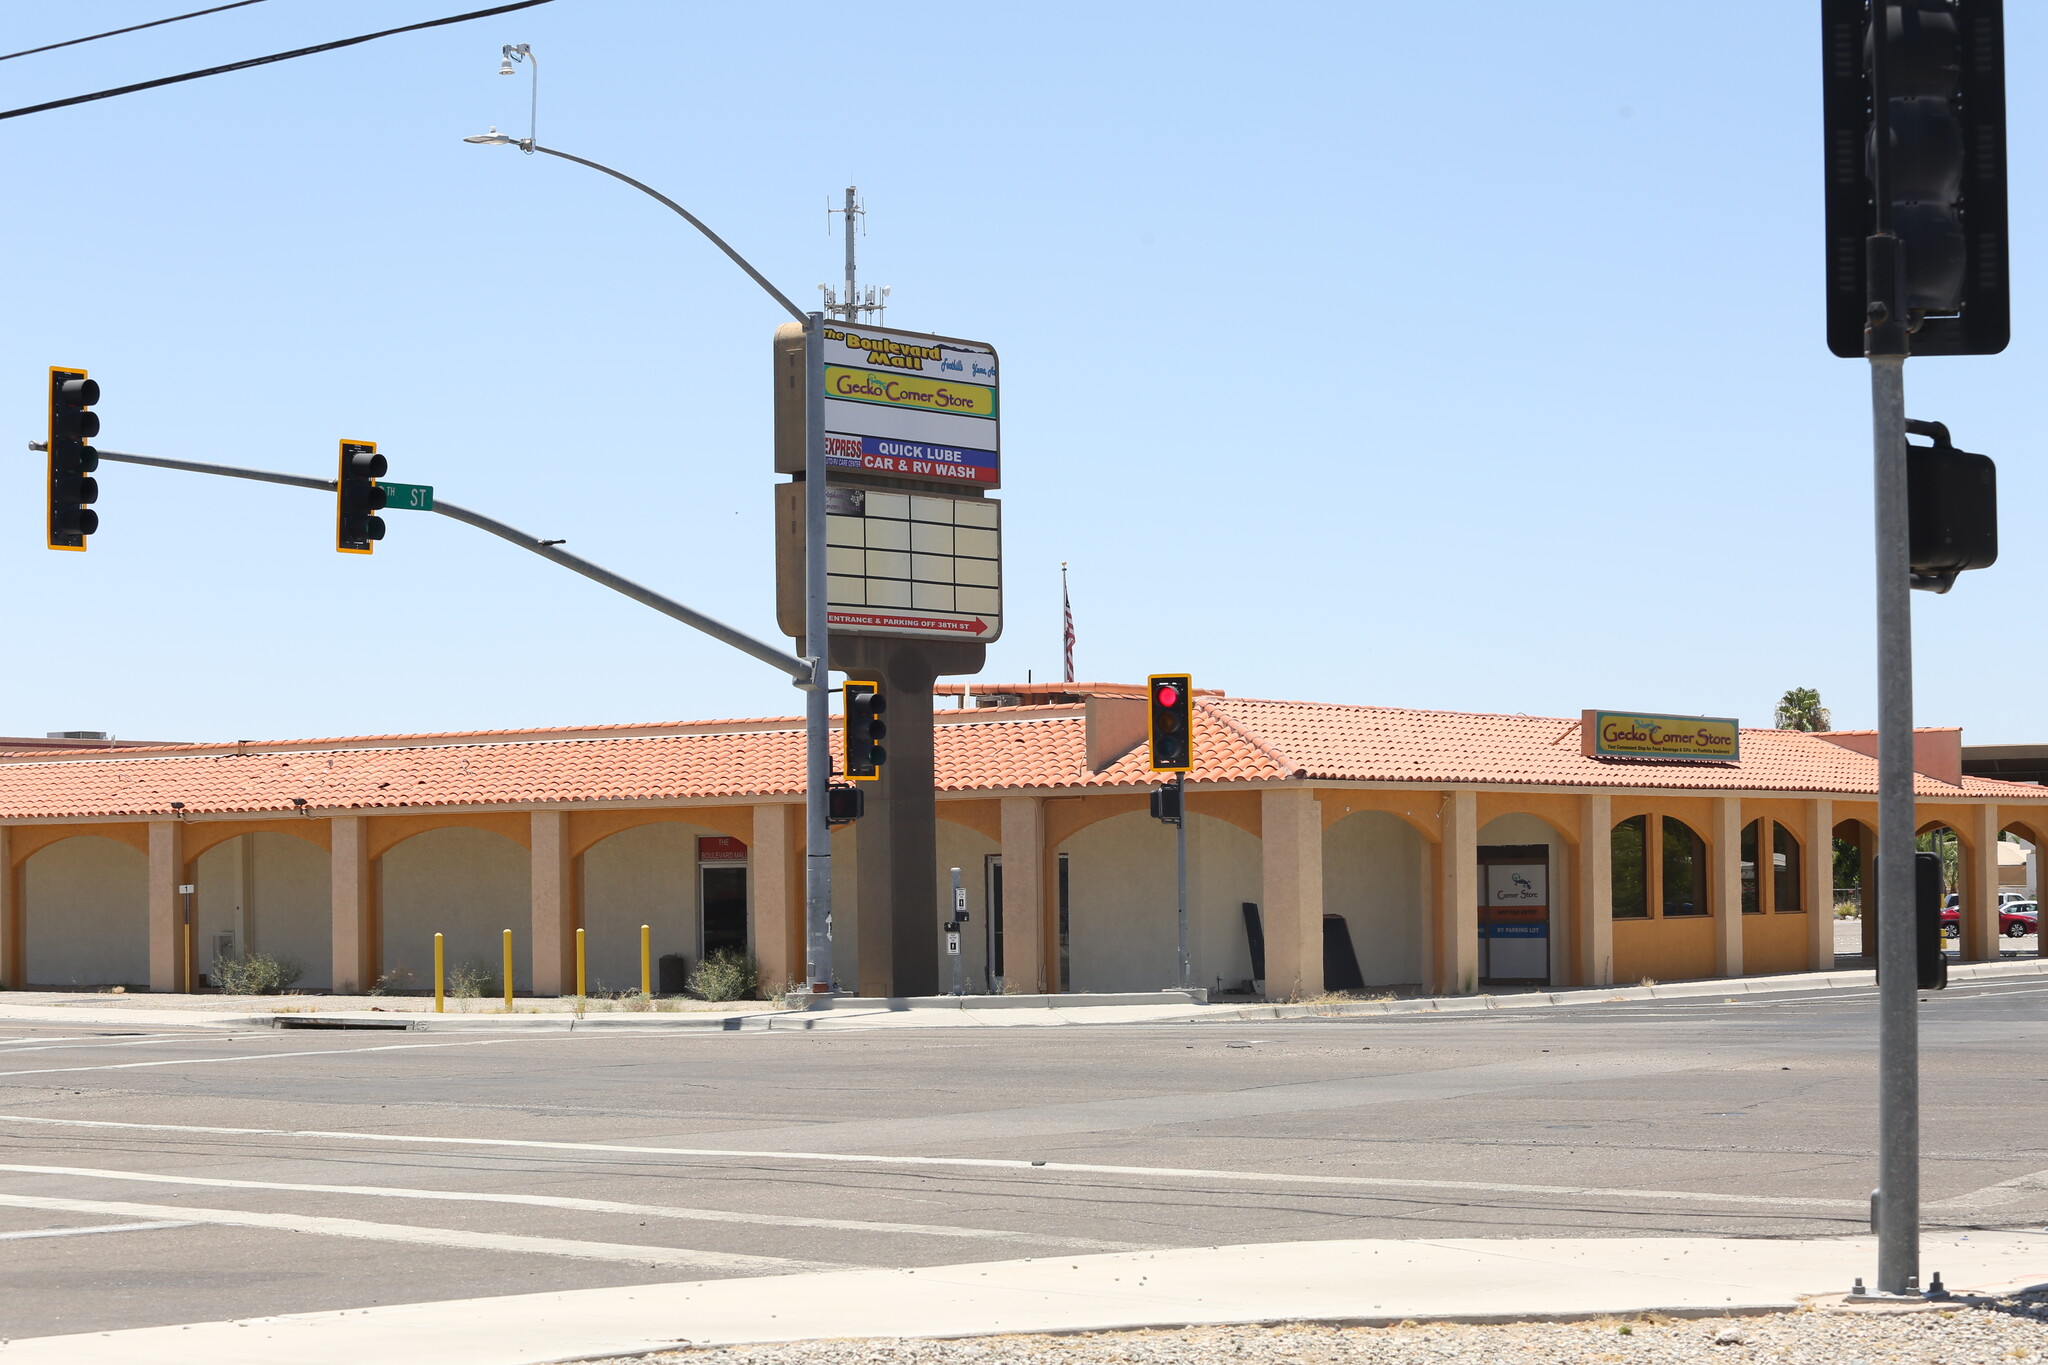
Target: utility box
[(672, 975)]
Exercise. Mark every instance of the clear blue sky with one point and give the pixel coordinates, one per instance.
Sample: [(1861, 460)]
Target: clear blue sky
[(1442, 356)]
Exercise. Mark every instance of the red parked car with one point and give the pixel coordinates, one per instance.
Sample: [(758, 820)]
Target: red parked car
[(2016, 919)]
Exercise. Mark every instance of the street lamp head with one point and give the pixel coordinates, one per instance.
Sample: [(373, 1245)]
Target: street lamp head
[(513, 52), (494, 138), (505, 67)]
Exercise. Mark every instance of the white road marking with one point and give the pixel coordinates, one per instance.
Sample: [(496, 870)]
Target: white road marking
[(266, 1056), (547, 1201), (453, 1238), (1991, 1196), (88, 1232), (991, 1163), (80, 1045)]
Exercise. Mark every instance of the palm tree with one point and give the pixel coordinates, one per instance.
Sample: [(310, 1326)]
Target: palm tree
[(1800, 709)]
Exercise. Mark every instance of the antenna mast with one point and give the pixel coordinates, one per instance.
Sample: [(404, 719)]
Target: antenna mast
[(850, 306)]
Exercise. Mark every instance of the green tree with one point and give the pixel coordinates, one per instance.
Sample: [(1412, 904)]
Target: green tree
[(1800, 709)]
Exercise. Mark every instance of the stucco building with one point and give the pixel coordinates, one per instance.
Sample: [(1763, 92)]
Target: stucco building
[(1435, 851)]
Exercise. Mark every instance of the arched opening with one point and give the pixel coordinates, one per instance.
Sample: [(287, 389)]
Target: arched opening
[(1114, 889), (86, 920), (688, 884), (2019, 882), (1376, 879), (1524, 924), (1855, 876), (265, 893), (469, 885)]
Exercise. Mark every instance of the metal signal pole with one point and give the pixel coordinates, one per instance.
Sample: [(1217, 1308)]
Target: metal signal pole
[(1895, 1204), (1180, 853)]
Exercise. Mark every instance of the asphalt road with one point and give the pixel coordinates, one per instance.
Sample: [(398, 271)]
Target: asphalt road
[(162, 1178)]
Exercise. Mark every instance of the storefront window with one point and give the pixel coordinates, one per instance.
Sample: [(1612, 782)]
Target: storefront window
[(1752, 902), (1631, 869), (1785, 885), (1685, 870)]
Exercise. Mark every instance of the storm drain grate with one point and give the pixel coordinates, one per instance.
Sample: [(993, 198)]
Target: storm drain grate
[(314, 1021)]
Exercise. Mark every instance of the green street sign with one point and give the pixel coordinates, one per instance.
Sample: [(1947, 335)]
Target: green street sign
[(410, 497)]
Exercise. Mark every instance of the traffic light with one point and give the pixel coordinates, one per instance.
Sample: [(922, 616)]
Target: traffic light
[(1917, 248), (864, 730), (358, 499), (73, 490), (1928, 886), (1170, 708), (1166, 804), (1952, 511)]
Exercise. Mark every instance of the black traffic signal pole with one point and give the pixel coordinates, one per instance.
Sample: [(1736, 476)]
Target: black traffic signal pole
[(768, 654)]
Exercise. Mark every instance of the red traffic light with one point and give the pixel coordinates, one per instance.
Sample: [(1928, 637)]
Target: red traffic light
[(1168, 695)]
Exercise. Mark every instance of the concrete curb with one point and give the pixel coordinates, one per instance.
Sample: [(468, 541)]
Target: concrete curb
[(1585, 995), (1348, 1282), (977, 1011)]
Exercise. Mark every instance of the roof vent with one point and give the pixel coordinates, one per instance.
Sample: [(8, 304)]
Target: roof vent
[(77, 734), (997, 699)]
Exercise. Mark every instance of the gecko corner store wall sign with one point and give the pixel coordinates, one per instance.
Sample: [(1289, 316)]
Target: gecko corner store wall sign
[(907, 405), (1644, 734)]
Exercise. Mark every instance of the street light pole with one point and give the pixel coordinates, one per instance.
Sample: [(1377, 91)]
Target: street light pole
[(817, 652), (817, 700)]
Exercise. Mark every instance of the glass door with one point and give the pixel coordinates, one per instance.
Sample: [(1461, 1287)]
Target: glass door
[(1514, 915)]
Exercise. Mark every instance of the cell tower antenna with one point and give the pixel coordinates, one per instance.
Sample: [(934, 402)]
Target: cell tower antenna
[(849, 306)]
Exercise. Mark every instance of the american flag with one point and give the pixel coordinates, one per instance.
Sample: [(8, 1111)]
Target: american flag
[(1067, 606)]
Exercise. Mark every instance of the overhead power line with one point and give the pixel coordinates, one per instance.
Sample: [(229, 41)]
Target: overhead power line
[(112, 32), (265, 61)]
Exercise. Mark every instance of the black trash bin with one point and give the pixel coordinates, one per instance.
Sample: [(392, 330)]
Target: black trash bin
[(673, 974)]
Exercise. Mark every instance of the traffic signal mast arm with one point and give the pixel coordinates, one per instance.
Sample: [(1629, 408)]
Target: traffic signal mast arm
[(768, 654)]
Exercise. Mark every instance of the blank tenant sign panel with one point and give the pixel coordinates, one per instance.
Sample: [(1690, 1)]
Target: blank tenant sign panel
[(915, 564)]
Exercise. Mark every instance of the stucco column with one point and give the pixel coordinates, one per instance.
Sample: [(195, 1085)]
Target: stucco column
[(1596, 891), (166, 928), (1819, 872), (554, 905), (1024, 895), (1291, 819), (1457, 897), (351, 905), (777, 893), (1980, 888), (1724, 883), (13, 970)]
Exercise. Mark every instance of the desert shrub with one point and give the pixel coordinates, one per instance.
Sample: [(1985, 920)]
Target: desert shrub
[(393, 981), (727, 974), (471, 981), (254, 973)]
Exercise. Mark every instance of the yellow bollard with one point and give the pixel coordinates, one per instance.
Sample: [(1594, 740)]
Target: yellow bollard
[(579, 964), (646, 964), (508, 971), (440, 978)]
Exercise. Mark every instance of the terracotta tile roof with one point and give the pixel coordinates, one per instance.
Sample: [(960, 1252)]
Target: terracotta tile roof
[(1386, 744), (1021, 747)]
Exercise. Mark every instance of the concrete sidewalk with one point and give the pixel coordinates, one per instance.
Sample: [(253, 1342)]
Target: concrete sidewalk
[(1353, 1282), (860, 1012)]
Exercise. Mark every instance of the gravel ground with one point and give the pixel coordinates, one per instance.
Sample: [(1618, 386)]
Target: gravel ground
[(2003, 1331)]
